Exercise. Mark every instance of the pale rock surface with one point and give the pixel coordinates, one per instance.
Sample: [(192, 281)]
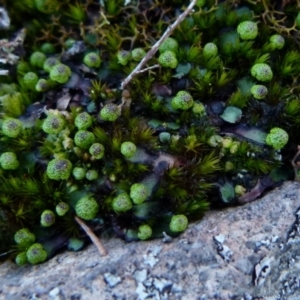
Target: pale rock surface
[(246, 252)]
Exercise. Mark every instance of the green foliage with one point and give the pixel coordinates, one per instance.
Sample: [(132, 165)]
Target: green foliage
[(58, 115)]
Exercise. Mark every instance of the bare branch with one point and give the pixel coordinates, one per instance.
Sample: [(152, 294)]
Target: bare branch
[(155, 47), (96, 241)]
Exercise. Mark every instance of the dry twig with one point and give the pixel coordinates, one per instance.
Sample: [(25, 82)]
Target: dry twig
[(96, 241), (155, 47)]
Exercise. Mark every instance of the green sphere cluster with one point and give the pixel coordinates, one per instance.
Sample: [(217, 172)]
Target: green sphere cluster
[(138, 193), (247, 30), (53, 124), (277, 138), (36, 254), (9, 161), (59, 169), (87, 208), (178, 223), (259, 91), (144, 232), (47, 218), (60, 73), (97, 150), (84, 139), (169, 44), (12, 127), (168, 59), (183, 100), (24, 237), (128, 149), (92, 60), (121, 203), (83, 121), (262, 72), (110, 112)]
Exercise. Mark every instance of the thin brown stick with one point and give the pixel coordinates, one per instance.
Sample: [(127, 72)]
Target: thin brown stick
[(96, 241), (155, 47)]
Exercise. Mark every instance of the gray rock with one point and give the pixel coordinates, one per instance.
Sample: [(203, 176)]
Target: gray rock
[(264, 237)]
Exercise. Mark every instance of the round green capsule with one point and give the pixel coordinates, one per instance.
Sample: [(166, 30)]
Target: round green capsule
[(144, 232), (110, 112), (42, 85), (138, 193), (12, 127), (247, 30), (178, 223), (183, 100), (79, 173), (91, 175), (9, 161), (168, 59), (47, 218), (21, 259), (277, 138), (210, 50), (36, 254), (84, 139), (87, 208), (138, 54), (50, 63), (277, 41), (83, 121), (53, 124), (30, 80), (37, 59), (169, 44), (262, 72), (123, 57), (60, 73), (92, 60), (121, 203), (259, 91), (48, 48), (128, 149), (59, 169), (97, 150), (62, 208)]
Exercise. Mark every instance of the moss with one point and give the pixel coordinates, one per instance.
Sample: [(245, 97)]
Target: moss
[(228, 76)]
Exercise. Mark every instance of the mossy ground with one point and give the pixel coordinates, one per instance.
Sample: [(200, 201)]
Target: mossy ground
[(212, 153)]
